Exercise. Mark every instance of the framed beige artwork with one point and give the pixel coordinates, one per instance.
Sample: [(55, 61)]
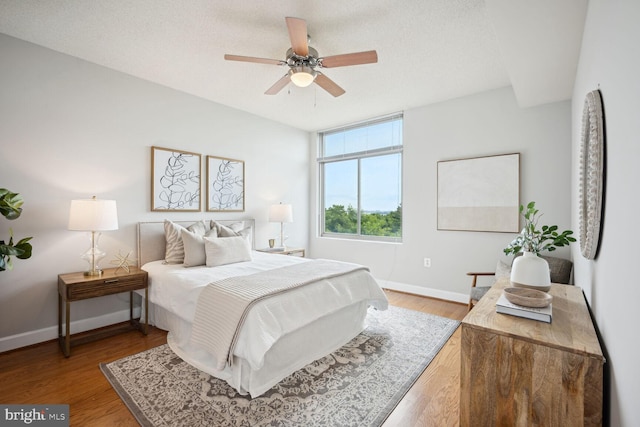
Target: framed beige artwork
[(479, 194)]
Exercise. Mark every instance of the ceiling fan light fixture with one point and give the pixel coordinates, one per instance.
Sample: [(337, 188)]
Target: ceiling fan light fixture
[(302, 60), (302, 76)]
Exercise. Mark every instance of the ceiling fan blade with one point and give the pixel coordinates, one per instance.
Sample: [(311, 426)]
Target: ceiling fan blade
[(253, 59), (368, 57), (279, 85), (298, 34), (329, 85)]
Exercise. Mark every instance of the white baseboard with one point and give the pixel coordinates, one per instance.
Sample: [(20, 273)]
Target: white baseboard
[(426, 292), (51, 333), (41, 335)]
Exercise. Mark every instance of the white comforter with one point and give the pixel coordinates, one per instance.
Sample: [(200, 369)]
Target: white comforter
[(176, 289)]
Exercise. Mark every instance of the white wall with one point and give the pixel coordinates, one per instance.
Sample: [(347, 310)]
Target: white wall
[(609, 60), (480, 125), (71, 129)]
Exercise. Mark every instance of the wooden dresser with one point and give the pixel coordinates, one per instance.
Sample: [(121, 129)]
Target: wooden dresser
[(519, 372)]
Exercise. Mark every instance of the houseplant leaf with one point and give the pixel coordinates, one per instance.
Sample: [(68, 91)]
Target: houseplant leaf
[(10, 204), (11, 208)]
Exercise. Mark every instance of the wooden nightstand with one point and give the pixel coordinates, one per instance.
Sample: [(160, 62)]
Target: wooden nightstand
[(283, 251), (77, 286)]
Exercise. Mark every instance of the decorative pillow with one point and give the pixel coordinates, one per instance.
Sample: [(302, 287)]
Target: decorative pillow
[(174, 249), (194, 253), (228, 230), (503, 270), (235, 229), (247, 235), (226, 250)]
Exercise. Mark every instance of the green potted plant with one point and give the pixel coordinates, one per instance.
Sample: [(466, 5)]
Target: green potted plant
[(534, 239), (11, 208), (530, 270)]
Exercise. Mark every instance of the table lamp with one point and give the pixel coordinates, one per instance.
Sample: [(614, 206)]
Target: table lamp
[(93, 215), (281, 213)]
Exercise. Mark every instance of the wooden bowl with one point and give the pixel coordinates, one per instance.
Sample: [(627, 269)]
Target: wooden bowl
[(527, 297)]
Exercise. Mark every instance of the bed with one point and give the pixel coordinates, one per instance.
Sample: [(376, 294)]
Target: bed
[(280, 334)]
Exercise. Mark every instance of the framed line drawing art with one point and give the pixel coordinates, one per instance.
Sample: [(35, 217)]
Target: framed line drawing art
[(175, 180), (225, 185), (480, 194)]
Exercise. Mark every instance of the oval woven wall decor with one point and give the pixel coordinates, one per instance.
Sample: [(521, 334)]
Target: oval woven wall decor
[(591, 174)]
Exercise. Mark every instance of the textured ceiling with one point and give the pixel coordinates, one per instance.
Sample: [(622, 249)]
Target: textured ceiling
[(428, 50)]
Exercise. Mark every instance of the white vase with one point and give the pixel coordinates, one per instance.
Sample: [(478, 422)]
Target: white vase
[(530, 271)]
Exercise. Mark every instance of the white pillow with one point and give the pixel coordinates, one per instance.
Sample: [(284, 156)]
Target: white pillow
[(503, 270), (226, 250), (174, 249), (228, 230), (247, 234), (194, 253), (234, 229)]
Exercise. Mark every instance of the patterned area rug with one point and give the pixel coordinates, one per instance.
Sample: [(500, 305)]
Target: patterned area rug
[(357, 385)]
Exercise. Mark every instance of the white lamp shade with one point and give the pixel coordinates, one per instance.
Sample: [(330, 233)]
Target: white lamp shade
[(93, 215), (280, 213)]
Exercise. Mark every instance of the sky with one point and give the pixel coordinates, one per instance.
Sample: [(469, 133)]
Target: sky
[(381, 184)]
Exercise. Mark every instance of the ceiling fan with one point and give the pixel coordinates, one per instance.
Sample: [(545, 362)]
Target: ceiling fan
[(304, 62)]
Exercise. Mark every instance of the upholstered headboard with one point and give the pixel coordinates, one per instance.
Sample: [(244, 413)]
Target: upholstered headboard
[(151, 240)]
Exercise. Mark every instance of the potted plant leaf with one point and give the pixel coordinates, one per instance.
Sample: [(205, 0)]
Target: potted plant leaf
[(11, 208), (530, 270)]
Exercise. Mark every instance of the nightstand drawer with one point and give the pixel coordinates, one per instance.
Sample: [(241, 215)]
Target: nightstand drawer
[(77, 286), (112, 285)]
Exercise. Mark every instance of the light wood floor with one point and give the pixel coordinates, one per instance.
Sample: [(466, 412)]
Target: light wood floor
[(40, 374)]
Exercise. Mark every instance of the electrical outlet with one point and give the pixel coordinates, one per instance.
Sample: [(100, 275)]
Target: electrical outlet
[(427, 262)]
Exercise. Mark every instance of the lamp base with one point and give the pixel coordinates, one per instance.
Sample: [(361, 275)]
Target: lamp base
[(93, 256), (284, 247), (93, 273)]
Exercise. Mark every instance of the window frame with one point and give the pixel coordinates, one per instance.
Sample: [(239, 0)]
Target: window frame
[(359, 156)]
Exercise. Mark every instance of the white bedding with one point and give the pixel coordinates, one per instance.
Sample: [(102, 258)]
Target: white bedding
[(273, 325)]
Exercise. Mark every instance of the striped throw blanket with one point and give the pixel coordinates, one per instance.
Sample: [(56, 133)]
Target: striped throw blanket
[(223, 306)]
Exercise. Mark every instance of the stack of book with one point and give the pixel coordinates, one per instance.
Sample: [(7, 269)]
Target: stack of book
[(504, 306), (277, 249)]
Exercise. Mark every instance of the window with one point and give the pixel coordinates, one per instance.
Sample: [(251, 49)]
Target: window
[(360, 170)]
